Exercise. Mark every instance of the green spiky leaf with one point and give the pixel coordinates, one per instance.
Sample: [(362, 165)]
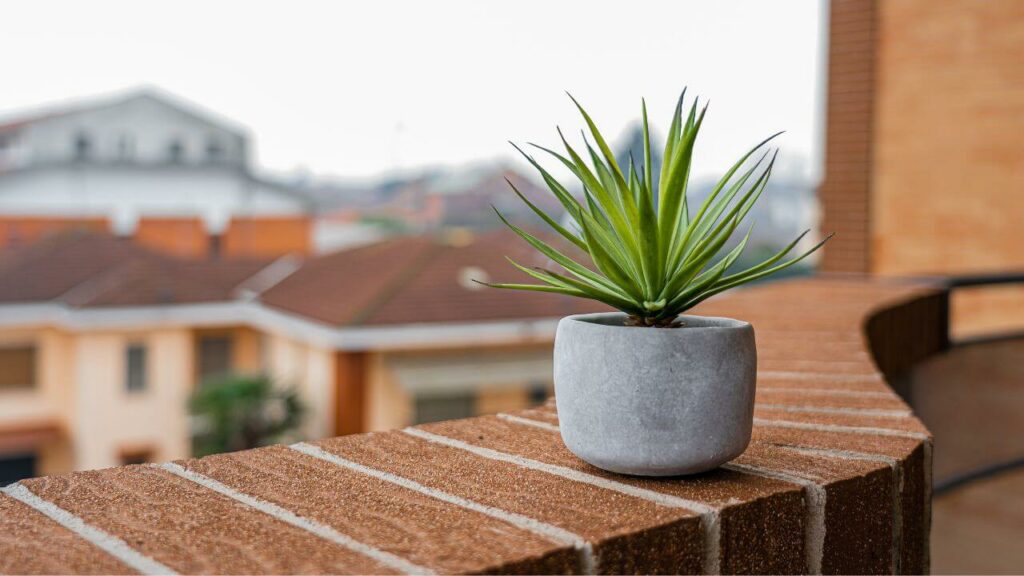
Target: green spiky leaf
[(649, 257)]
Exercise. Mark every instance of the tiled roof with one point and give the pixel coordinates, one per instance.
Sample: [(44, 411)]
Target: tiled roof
[(405, 280), (417, 279), (89, 270)]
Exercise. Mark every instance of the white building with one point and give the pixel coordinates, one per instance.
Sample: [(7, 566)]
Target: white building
[(143, 154)]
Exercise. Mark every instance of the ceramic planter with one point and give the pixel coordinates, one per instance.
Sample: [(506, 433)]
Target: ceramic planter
[(655, 401)]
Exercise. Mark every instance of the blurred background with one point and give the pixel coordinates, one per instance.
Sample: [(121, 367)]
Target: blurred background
[(226, 225)]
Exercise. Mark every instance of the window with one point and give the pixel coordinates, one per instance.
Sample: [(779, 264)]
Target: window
[(538, 393), (214, 150), (216, 246), (175, 152), (135, 361), (17, 367), (214, 357), (83, 146), (433, 408), (125, 147), (140, 456), (16, 467)]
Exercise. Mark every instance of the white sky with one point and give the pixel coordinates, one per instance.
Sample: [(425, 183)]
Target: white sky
[(358, 88)]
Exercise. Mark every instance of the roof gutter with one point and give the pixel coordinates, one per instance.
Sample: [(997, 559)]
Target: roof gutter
[(256, 315)]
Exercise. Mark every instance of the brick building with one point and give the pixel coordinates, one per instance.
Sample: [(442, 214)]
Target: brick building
[(924, 159)]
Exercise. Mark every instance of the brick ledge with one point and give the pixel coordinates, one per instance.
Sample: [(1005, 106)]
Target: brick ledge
[(837, 479)]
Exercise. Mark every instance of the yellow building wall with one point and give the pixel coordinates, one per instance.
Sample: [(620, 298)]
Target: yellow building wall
[(50, 400), (388, 405), (247, 354), (81, 389), (391, 405), (109, 420), (81, 386), (310, 370), (47, 400)]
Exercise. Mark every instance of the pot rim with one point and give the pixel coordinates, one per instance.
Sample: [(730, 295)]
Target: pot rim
[(719, 322)]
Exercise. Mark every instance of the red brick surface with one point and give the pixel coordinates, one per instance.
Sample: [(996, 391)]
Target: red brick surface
[(836, 479), (846, 190)]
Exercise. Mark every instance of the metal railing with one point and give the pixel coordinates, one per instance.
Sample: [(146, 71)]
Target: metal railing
[(953, 283)]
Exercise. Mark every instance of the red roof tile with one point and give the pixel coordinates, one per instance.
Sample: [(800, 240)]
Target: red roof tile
[(84, 269), (415, 280), (400, 281)]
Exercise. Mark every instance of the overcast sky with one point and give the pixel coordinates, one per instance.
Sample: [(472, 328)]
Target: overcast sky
[(356, 89)]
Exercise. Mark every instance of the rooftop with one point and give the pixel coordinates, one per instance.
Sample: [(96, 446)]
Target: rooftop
[(85, 270), (405, 280)]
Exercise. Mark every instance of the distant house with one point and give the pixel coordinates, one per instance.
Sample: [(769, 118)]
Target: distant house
[(102, 341), (144, 165)]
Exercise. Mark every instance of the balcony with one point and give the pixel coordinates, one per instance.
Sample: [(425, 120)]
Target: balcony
[(837, 479)]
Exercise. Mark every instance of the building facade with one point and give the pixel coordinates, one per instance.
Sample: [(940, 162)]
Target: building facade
[(146, 165), (103, 341)]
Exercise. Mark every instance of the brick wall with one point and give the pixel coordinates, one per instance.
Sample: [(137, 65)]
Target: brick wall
[(846, 190), (22, 230), (948, 194), (268, 237), (184, 237)]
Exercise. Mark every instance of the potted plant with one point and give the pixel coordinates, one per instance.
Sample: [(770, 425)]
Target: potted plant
[(648, 390)]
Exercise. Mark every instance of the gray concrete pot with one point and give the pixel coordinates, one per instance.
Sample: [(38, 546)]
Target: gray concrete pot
[(655, 401)]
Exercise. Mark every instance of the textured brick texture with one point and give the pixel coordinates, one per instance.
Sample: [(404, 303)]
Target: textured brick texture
[(951, 205), (18, 231), (836, 480), (267, 237), (942, 204), (905, 194), (182, 237), (846, 191)]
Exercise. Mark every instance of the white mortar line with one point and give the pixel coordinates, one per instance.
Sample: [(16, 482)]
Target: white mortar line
[(897, 487), (837, 428), (549, 532), (528, 422), (841, 454), (650, 495), (311, 526), (107, 542), (814, 530), (825, 376), (892, 462), (709, 516), (878, 412), (826, 392)]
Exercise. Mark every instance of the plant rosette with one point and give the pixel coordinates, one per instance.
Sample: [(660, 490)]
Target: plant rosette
[(649, 391)]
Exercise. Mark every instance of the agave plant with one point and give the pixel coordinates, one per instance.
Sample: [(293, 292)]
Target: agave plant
[(651, 258)]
